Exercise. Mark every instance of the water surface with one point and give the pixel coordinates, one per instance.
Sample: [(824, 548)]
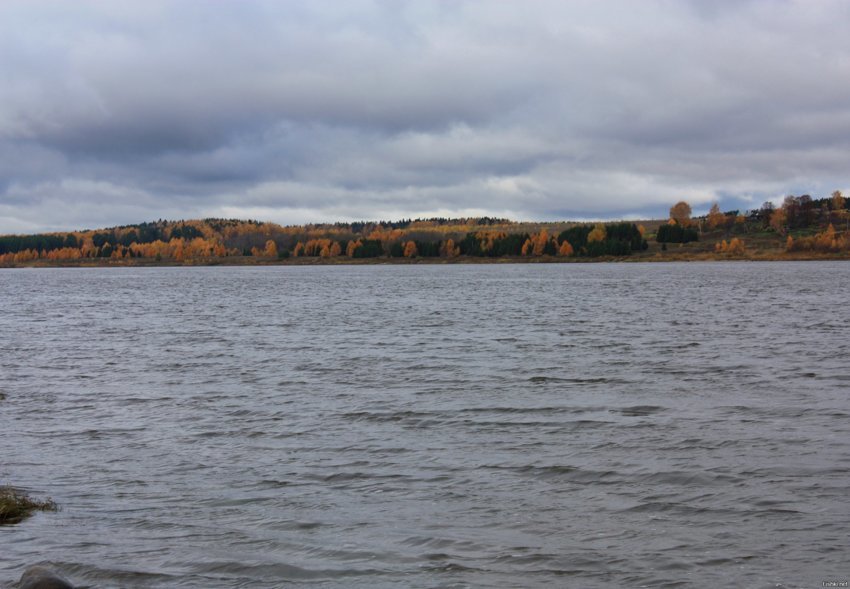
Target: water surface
[(675, 425)]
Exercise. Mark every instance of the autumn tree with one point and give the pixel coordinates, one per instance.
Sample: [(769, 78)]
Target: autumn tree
[(837, 201), (540, 240), (26, 255), (827, 241), (715, 217), (735, 247), (566, 249), (681, 213), (315, 247), (65, 253), (779, 220), (410, 250), (487, 240), (351, 248), (598, 233), (448, 249), (271, 249)]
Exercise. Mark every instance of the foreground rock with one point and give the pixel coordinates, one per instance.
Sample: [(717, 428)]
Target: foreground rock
[(38, 577), (15, 505)]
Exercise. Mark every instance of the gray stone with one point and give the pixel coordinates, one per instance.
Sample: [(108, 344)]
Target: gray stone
[(38, 577)]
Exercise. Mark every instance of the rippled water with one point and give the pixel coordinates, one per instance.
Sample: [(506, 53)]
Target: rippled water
[(675, 425)]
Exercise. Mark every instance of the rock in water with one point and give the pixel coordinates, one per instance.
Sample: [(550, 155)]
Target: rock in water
[(39, 577)]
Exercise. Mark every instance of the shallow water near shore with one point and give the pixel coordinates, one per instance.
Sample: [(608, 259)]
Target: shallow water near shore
[(570, 425)]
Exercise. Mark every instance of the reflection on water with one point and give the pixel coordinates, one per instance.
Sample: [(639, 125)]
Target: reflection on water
[(430, 426)]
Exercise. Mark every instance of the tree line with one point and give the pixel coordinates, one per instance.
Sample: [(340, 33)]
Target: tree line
[(816, 225), (808, 224), (429, 238)]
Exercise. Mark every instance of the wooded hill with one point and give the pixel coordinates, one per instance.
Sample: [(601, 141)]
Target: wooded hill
[(801, 224)]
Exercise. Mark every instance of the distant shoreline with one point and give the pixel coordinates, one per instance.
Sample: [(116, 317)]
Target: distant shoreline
[(802, 230), (234, 261)]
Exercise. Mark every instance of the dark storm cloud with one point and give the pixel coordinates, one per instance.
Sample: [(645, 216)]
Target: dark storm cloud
[(120, 112)]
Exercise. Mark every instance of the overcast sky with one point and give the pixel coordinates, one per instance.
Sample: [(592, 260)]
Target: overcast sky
[(121, 112)]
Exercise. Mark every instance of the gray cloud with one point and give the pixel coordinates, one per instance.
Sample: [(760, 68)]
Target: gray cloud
[(295, 112)]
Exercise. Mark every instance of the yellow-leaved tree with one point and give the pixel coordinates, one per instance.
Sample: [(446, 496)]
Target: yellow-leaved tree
[(598, 233), (352, 247), (735, 247), (715, 217), (449, 249), (540, 241), (778, 220)]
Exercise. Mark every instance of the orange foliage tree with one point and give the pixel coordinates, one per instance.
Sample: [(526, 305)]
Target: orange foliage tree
[(488, 238), (778, 220), (598, 233), (827, 241), (351, 248), (314, 247), (735, 247), (681, 213), (448, 249), (540, 240), (715, 217)]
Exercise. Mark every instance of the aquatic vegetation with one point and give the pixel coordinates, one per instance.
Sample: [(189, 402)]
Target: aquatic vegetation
[(15, 506)]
